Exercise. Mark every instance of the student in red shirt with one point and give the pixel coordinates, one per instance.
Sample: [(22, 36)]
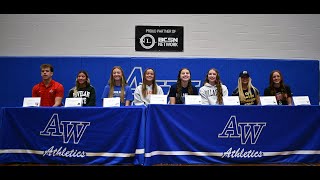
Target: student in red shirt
[(50, 91)]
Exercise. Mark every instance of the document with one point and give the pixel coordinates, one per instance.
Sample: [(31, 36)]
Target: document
[(31, 102), (268, 100), (73, 102), (231, 100), (301, 100), (192, 99), (158, 99), (111, 102)]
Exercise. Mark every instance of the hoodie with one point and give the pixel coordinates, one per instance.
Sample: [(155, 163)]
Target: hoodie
[(208, 93)]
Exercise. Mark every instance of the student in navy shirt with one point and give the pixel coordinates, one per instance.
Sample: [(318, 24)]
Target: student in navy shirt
[(183, 86)]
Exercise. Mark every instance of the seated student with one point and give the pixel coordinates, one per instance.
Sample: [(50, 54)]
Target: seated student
[(183, 87), (83, 89), (50, 91), (279, 89), (149, 86), (248, 94), (118, 87), (213, 90)]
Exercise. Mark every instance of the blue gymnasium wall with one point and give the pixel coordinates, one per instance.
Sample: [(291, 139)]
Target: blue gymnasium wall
[(19, 74)]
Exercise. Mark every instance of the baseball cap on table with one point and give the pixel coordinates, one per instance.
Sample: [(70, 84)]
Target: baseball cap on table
[(244, 73)]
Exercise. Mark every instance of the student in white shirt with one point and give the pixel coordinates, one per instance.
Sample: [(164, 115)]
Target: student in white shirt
[(213, 90)]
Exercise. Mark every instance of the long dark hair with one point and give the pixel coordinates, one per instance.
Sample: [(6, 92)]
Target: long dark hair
[(77, 86), (144, 85), (271, 84), (179, 86)]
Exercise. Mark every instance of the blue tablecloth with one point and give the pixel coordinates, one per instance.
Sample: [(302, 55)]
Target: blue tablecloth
[(203, 134), (72, 135), (160, 134)]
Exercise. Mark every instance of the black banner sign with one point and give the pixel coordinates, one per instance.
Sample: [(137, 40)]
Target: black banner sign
[(159, 38)]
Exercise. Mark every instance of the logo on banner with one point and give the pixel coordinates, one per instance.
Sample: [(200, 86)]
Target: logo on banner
[(159, 38), (147, 41), (71, 131), (247, 132)]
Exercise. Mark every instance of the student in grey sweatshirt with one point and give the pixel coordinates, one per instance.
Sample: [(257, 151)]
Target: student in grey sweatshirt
[(213, 90), (143, 91)]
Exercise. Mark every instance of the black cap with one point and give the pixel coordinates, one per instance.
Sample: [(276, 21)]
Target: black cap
[(244, 73)]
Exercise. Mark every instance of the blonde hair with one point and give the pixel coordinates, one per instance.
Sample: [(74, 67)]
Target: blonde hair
[(112, 83), (240, 89)]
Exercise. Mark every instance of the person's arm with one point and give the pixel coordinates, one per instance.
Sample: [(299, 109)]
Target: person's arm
[(289, 99), (70, 93), (57, 101), (105, 93), (258, 99), (195, 90), (257, 94), (34, 91), (128, 103), (266, 92), (129, 96), (224, 91), (235, 92), (160, 91), (172, 94), (137, 100), (204, 98), (59, 96), (289, 94), (172, 100), (92, 97)]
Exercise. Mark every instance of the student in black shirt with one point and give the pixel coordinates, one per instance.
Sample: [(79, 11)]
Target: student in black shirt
[(277, 88), (83, 89), (248, 94)]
